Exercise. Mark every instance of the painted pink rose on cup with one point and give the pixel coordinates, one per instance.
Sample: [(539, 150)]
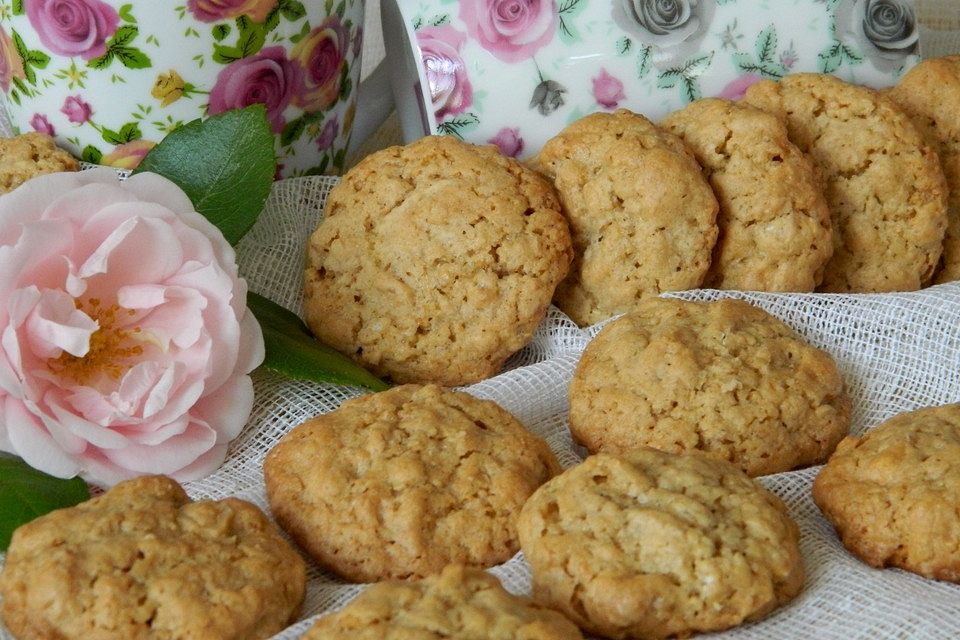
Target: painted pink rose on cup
[(737, 88), (125, 341), (509, 142), (215, 10), (11, 66), (512, 30), (607, 90), (73, 27), (267, 78), (76, 109), (450, 89), (321, 57), (329, 134), (40, 124), (129, 155)]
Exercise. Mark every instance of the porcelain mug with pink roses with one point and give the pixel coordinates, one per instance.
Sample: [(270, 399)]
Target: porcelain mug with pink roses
[(110, 78)]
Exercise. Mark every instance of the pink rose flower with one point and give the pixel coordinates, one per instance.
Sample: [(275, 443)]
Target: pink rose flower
[(73, 27), (76, 110), (512, 30), (267, 78), (509, 141), (320, 56), (329, 134), (40, 124), (11, 66), (214, 10), (125, 340), (450, 89), (129, 155), (607, 90), (737, 87)]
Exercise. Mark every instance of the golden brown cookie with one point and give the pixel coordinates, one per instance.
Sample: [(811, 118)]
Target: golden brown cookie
[(883, 184), (930, 94), (652, 544), (401, 483), (461, 603), (144, 561), (775, 230), (894, 494), (642, 215), (724, 378), (30, 155), (435, 261)]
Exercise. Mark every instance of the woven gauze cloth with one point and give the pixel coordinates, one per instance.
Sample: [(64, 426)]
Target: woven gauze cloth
[(897, 352)]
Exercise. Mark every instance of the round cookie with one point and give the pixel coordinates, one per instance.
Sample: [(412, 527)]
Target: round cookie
[(435, 261), (930, 94), (29, 155), (401, 483), (461, 603), (143, 561), (893, 494), (724, 378), (775, 230), (642, 215), (883, 184), (653, 545)]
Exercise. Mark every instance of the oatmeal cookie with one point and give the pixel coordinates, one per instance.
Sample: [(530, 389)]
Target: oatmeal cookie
[(724, 378), (930, 94), (435, 261), (461, 603), (775, 230), (401, 483), (643, 217), (883, 183), (143, 561), (653, 545), (893, 494), (30, 155)]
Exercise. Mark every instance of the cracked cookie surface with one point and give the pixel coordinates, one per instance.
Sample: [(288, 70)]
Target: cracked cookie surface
[(401, 483), (435, 261), (461, 603), (930, 94), (893, 494), (883, 183), (724, 378), (775, 230), (642, 216), (652, 545), (144, 562), (29, 155)]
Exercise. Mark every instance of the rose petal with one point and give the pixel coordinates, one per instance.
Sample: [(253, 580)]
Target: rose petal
[(202, 466), (26, 203), (99, 436), (152, 187), (140, 250), (168, 456), (56, 325), (31, 441), (227, 409)]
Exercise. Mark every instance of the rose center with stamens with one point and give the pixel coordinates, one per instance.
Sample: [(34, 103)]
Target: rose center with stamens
[(111, 349)]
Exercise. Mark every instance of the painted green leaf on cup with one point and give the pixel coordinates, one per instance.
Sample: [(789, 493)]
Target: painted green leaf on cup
[(224, 164), (26, 494), (294, 352)]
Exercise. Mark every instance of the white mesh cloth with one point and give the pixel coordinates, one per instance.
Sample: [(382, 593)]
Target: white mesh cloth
[(897, 352)]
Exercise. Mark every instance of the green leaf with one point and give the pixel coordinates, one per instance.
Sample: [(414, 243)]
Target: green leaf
[(292, 131), (851, 54), (697, 67), (691, 90), (251, 41), (102, 62), (272, 21), (26, 494), (130, 132), (767, 44), (110, 136), (24, 53), (643, 62), (293, 351), (221, 31), (669, 78), (224, 164), (327, 7), (341, 8), (91, 154), (131, 57), (18, 7), (292, 10), (226, 55), (830, 59), (124, 13), (124, 35), (38, 59), (623, 46)]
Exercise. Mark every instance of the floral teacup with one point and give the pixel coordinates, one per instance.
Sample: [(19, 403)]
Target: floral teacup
[(110, 78), (515, 72)]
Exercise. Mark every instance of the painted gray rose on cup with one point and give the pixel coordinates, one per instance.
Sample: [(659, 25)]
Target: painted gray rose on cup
[(673, 28), (886, 31)]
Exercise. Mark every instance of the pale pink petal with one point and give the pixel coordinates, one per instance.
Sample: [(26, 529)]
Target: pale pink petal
[(31, 441), (179, 319), (158, 433), (92, 405), (227, 409), (139, 250), (11, 371), (168, 456), (26, 203), (152, 187), (36, 257), (141, 296), (55, 325), (98, 436), (204, 465), (251, 352)]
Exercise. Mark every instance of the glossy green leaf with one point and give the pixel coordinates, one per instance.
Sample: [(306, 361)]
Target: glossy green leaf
[(224, 164), (294, 352), (26, 494)]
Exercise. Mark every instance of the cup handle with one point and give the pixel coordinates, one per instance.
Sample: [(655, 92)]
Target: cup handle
[(374, 104)]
